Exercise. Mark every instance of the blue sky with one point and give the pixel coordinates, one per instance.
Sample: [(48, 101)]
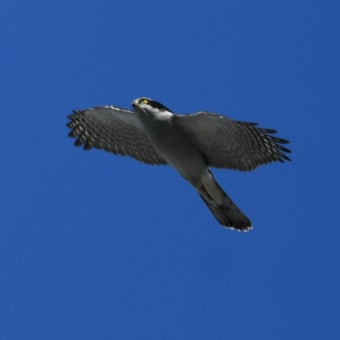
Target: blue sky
[(96, 246)]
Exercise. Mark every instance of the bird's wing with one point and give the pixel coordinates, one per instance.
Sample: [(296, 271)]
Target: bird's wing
[(112, 129), (226, 143)]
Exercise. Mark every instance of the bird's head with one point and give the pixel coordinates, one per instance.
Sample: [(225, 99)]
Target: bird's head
[(149, 107)]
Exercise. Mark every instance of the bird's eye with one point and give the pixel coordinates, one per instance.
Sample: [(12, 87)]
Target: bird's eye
[(145, 101)]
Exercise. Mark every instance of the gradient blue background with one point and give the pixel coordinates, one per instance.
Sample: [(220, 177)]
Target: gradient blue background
[(96, 246)]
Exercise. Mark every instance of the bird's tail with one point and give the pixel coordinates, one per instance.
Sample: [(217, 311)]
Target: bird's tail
[(224, 209)]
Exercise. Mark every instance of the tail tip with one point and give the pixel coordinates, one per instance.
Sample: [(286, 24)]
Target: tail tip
[(243, 225), (238, 227)]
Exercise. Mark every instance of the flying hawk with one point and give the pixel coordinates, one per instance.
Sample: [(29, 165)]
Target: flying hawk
[(191, 143)]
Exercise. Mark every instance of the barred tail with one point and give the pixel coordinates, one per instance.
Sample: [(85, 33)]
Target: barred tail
[(220, 204)]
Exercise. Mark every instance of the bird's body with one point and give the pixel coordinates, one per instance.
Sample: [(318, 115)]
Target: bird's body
[(190, 143), (171, 142)]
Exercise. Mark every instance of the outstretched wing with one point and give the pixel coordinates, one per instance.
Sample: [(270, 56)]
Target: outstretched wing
[(112, 129), (226, 143)]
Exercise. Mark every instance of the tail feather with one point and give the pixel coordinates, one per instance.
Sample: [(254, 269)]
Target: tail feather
[(229, 215), (224, 209)]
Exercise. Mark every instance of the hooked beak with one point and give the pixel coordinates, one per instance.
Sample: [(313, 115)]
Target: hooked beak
[(135, 102)]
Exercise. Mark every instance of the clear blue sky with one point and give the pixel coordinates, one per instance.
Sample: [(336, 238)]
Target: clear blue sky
[(97, 246)]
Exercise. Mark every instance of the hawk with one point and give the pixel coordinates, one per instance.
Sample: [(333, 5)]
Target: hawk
[(191, 143)]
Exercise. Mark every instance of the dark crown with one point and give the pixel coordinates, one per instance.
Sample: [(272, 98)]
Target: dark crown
[(154, 104)]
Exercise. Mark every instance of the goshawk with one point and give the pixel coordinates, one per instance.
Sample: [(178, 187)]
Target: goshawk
[(191, 143)]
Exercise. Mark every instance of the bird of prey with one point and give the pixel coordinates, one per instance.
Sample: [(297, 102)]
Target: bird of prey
[(191, 143)]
